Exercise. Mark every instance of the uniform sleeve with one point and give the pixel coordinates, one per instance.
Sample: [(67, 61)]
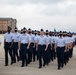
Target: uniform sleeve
[(33, 38), (73, 39), (0, 41), (29, 38), (4, 36), (46, 39), (36, 39), (19, 38), (66, 41), (19, 34), (51, 39), (12, 36), (55, 40)]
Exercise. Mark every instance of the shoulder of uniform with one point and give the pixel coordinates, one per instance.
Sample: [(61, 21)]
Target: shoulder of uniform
[(5, 33), (33, 35), (28, 34), (38, 36), (21, 34), (18, 33), (11, 33)]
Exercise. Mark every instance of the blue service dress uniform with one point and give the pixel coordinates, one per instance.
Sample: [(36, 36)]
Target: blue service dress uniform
[(24, 40), (48, 52), (31, 49), (7, 47), (66, 52), (60, 42), (41, 40), (20, 54), (15, 38), (53, 53), (36, 52)]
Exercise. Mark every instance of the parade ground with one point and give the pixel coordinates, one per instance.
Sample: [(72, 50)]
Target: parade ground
[(32, 69)]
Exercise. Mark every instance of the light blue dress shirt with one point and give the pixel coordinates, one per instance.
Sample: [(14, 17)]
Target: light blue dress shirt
[(41, 40), (61, 42), (24, 38), (16, 37), (8, 37)]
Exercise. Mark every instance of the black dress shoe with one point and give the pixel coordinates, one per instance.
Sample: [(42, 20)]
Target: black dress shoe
[(52, 59), (43, 65), (14, 62), (33, 60), (39, 67), (18, 59), (11, 62), (65, 63), (22, 65), (47, 64), (37, 59), (6, 64), (26, 64), (62, 66), (58, 68)]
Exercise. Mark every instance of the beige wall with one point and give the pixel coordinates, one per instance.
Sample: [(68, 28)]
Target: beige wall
[(5, 23)]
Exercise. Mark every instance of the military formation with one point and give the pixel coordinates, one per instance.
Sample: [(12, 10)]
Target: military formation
[(29, 46)]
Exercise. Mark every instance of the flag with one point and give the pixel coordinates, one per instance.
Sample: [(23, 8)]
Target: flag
[(54, 30)]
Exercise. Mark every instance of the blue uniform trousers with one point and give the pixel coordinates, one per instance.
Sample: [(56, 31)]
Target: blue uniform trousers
[(31, 53), (24, 53), (48, 55), (70, 52), (15, 51), (8, 50), (35, 54), (53, 53), (60, 56), (41, 54)]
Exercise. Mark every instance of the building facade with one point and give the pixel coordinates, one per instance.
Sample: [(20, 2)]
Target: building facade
[(5, 22)]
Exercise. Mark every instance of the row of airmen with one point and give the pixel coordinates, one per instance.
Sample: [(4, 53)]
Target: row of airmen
[(25, 46)]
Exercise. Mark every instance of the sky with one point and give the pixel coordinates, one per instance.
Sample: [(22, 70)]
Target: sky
[(37, 14)]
